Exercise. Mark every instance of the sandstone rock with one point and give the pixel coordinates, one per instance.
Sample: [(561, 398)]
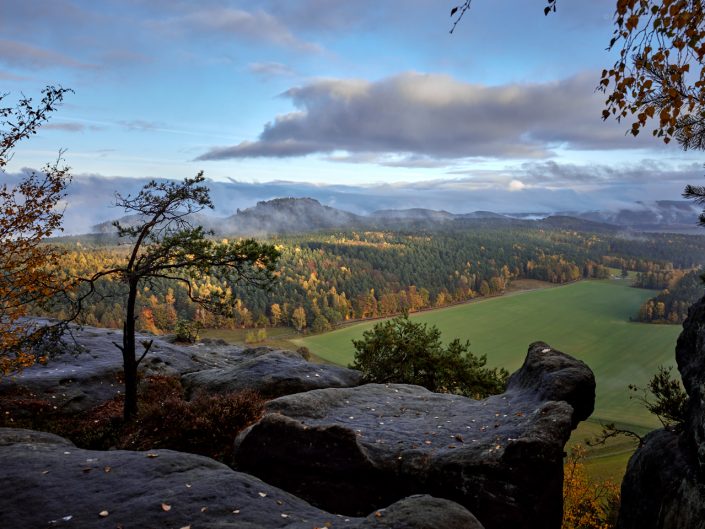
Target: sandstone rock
[(347, 450), (47, 482), (664, 486), (88, 371), (272, 373)]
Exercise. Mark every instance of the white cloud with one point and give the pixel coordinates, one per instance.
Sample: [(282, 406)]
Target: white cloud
[(516, 185), (431, 115)]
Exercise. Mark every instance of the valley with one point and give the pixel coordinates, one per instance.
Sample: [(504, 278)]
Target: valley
[(588, 320)]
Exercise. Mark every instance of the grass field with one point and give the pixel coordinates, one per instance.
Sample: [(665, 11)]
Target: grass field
[(588, 319)]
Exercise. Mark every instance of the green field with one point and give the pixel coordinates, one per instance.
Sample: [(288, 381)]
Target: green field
[(588, 320)]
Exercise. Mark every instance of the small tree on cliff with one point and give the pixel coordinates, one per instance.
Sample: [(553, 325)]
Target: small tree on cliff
[(166, 246), (28, 215), (404, 352)]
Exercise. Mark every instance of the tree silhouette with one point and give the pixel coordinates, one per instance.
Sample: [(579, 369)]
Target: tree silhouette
[(165, 245)]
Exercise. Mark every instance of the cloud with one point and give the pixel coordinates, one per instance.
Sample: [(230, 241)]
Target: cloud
[(435, 116), (18, 54), (409, 161), (554, 175), (66, 127), (516, 185), (6, 76), (142, 125), (270, 69), (533, 187), (258, 26)]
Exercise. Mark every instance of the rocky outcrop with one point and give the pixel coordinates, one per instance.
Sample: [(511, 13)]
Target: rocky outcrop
[(347, 450), (664, 486), (48, 482), (272, 373), (88, 370)]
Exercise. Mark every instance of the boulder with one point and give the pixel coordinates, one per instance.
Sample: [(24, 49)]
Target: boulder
[(272, 373), (664, 486), (88, 370), (347, 450), (48, 482)]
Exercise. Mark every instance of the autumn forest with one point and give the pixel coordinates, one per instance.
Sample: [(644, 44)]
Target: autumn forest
[(328, 278)]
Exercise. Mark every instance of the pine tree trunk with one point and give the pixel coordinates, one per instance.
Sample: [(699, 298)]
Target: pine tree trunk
[(129, 361)]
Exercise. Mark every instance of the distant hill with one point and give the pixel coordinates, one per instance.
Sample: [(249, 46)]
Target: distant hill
[(577, 224), (288, 215), (414, 214), (301, 215), (662, 215)]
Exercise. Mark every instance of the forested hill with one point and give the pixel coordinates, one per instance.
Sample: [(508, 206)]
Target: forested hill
[(305, 215), (329, 277)]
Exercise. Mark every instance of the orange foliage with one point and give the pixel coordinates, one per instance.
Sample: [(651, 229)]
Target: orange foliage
[(660, 72), (28, 215), (587, 504)]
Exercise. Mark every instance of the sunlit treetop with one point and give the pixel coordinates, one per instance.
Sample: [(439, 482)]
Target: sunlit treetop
[(660, 70)]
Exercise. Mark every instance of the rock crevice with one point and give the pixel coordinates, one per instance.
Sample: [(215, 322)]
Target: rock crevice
[(664, 486)]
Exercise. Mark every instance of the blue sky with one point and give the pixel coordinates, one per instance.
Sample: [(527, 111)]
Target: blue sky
[(334, 99)]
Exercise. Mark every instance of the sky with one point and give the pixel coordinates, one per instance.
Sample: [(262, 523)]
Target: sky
[(363, 105)]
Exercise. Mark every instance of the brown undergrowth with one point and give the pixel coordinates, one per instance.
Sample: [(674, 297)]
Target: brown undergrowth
[(206, 425)]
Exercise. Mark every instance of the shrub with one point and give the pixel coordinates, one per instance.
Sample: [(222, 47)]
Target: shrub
[(401, 351), (206, 425), (670, 401), (187, 331), (305, 352), (587, 504), (255, 336)]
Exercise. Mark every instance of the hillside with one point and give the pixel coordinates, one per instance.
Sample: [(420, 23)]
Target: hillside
[(305, 215)]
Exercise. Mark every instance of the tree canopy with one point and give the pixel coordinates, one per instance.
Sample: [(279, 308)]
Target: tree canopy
[(404, 352), (166, 246), (29, 214)]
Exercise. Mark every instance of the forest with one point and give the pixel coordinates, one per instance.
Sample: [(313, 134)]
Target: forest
[(327, 278), (680, 290)]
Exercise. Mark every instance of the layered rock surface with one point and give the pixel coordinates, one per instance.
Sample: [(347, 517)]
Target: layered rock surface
[(89, 369), (664, 486), (272, 373), (348, 450), (48, 482)]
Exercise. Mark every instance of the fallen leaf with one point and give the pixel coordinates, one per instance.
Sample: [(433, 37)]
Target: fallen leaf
[(103, 514), (284, 515), (279, 502), (236, 511), (204, 509), (186, 527), (262, 494), (45, 472), (106, 469), (67, 518), (166, 507), (378, 514), (152, 455)]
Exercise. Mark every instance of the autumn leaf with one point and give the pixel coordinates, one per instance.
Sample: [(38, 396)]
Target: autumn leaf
[(166, 507)]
